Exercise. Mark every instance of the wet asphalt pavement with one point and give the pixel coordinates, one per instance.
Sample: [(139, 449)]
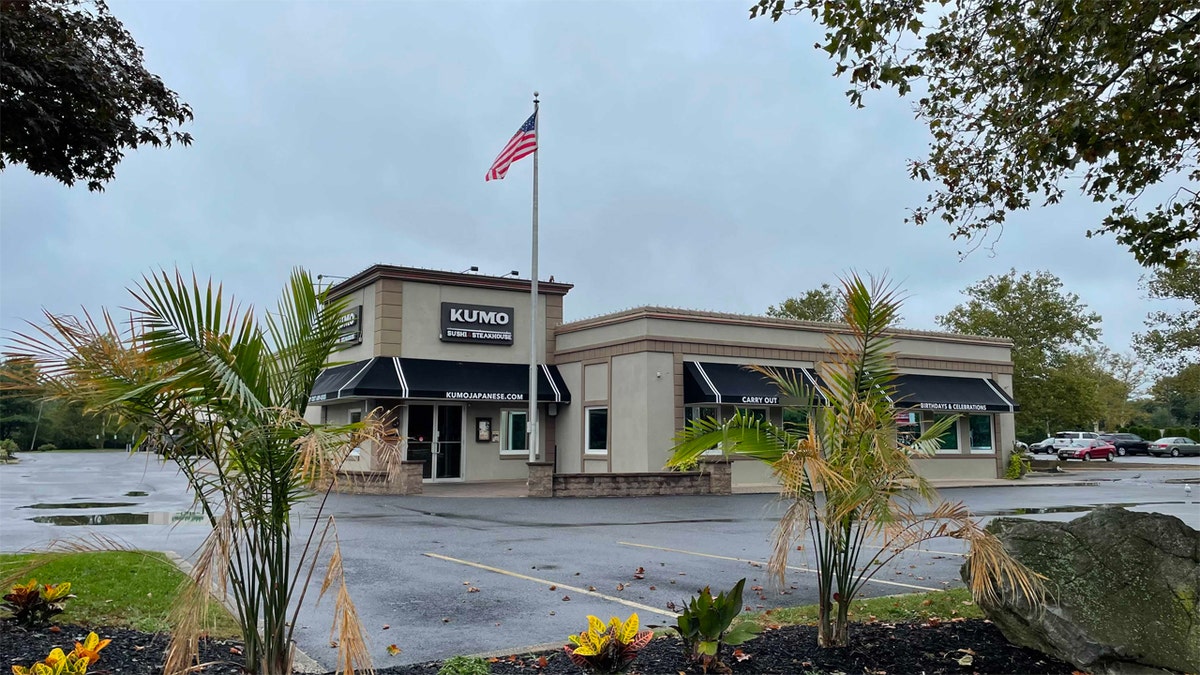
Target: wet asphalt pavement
[(454, 575)]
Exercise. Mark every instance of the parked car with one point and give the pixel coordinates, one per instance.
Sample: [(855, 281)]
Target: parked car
[(1064, 438), (1127, 444), (1088, 449), (1174, 446), (1045, 445)]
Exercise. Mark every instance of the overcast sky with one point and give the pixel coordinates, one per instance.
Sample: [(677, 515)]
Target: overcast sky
[(689, 157)]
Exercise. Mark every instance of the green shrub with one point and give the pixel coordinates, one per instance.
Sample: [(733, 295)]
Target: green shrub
[(1018, 465), (46, 447), (8, 448), (465, 665), (33, 605), (704, 625)]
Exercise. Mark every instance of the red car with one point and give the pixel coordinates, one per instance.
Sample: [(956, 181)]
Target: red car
[(1088, 449)]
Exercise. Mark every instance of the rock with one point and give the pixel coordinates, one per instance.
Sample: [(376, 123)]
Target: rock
[(1124, 587)]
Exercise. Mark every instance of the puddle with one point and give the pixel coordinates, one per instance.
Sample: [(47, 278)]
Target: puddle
[(1034, 510), (80, 505), (152, 518), (137, 493)]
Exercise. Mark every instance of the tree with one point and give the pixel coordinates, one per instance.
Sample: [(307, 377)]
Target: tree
[(1119, 381), (1054, 388), (1179, 396), (870, 491), (75, 94), (817, 304), (18, 408), (1025, 100), (223, 395), (1174, 336)]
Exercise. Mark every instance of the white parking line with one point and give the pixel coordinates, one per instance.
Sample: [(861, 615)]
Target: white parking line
[(573, 589), (921, 550), (759, 562)]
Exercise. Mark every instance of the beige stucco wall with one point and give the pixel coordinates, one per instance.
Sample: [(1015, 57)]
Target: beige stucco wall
[(595, 382), (422, 324), (482, 460), (641, 411), (567, 429)]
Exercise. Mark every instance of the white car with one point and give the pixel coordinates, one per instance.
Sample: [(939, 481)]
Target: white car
[(1064, 438)]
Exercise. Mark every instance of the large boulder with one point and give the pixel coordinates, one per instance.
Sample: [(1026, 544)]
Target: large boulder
[(1124, 591)]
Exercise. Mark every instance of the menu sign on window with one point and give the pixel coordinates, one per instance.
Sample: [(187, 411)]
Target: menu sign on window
[(476, 323)]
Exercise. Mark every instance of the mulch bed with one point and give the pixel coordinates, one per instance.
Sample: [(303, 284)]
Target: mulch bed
[(131, 652), (878, 648)]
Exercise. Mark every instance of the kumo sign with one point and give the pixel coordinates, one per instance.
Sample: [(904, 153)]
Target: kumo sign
[(476, 323)]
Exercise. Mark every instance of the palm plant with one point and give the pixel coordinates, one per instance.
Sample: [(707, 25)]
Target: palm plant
[(223, 395), (848, 478)]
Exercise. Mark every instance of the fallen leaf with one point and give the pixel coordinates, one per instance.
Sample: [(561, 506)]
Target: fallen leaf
[(493, 660), (333, 643), (445, 619), (620, 586), (541, 662), (926, 603), (55, 629), (740, 655), (466, 583), (386, 626), (553, 587), (552, 612), (756, 588), (592, 588), (966, 660), (748, 608), (652, 588), (566, 598), (235, 651), (138, 648), (472, 589), (968, 602), (393, 649)]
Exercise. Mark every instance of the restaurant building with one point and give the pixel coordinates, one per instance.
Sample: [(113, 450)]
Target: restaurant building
[(447, 354)]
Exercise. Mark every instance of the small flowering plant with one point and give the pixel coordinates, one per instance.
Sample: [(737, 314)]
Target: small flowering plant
[(608, 649), (74, 663)]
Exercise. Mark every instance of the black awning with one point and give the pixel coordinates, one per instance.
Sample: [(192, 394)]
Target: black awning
[(392, 377), (734, 384), (951, 394)]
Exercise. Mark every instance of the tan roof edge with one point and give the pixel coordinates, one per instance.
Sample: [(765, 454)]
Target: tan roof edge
[(375, 272), (675, 314)]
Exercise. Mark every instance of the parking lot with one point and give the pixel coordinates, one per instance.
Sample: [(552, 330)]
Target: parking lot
[(448, 575)]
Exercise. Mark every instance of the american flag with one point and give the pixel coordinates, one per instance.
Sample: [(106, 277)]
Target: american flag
[(523, 144)]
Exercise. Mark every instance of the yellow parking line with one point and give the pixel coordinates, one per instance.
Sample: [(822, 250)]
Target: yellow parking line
[(573, 589), (790, 567)]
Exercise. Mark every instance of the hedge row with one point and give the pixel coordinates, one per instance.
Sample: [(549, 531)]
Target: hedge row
[(1152, 434)]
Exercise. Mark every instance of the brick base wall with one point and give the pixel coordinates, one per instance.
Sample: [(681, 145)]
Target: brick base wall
[(715, 479), (406, 482)]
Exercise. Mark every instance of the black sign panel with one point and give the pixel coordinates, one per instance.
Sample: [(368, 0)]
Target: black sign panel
[(350, 326), (476, 323)]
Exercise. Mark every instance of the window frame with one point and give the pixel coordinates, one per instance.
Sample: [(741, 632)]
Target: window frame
[(506, 449), (587, 432)]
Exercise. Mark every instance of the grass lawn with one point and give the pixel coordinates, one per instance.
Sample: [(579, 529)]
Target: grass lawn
[(893, 608), (132, 589)]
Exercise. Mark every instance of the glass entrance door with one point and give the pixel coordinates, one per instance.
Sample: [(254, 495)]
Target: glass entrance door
[(449, 442), (435, 437)]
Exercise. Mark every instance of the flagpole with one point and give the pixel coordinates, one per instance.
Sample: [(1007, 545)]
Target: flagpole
[(531, 421)]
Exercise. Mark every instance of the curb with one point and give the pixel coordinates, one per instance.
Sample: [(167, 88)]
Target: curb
[(301, 662)]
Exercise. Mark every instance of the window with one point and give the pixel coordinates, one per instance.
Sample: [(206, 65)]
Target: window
[(699, 412), (702, 412), (754, 413), (908, 427), (981, 434), (513, 435), (949, 439), (355, 416), (596, 431)]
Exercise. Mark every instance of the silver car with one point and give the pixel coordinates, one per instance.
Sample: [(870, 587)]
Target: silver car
[(1174, 446)]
